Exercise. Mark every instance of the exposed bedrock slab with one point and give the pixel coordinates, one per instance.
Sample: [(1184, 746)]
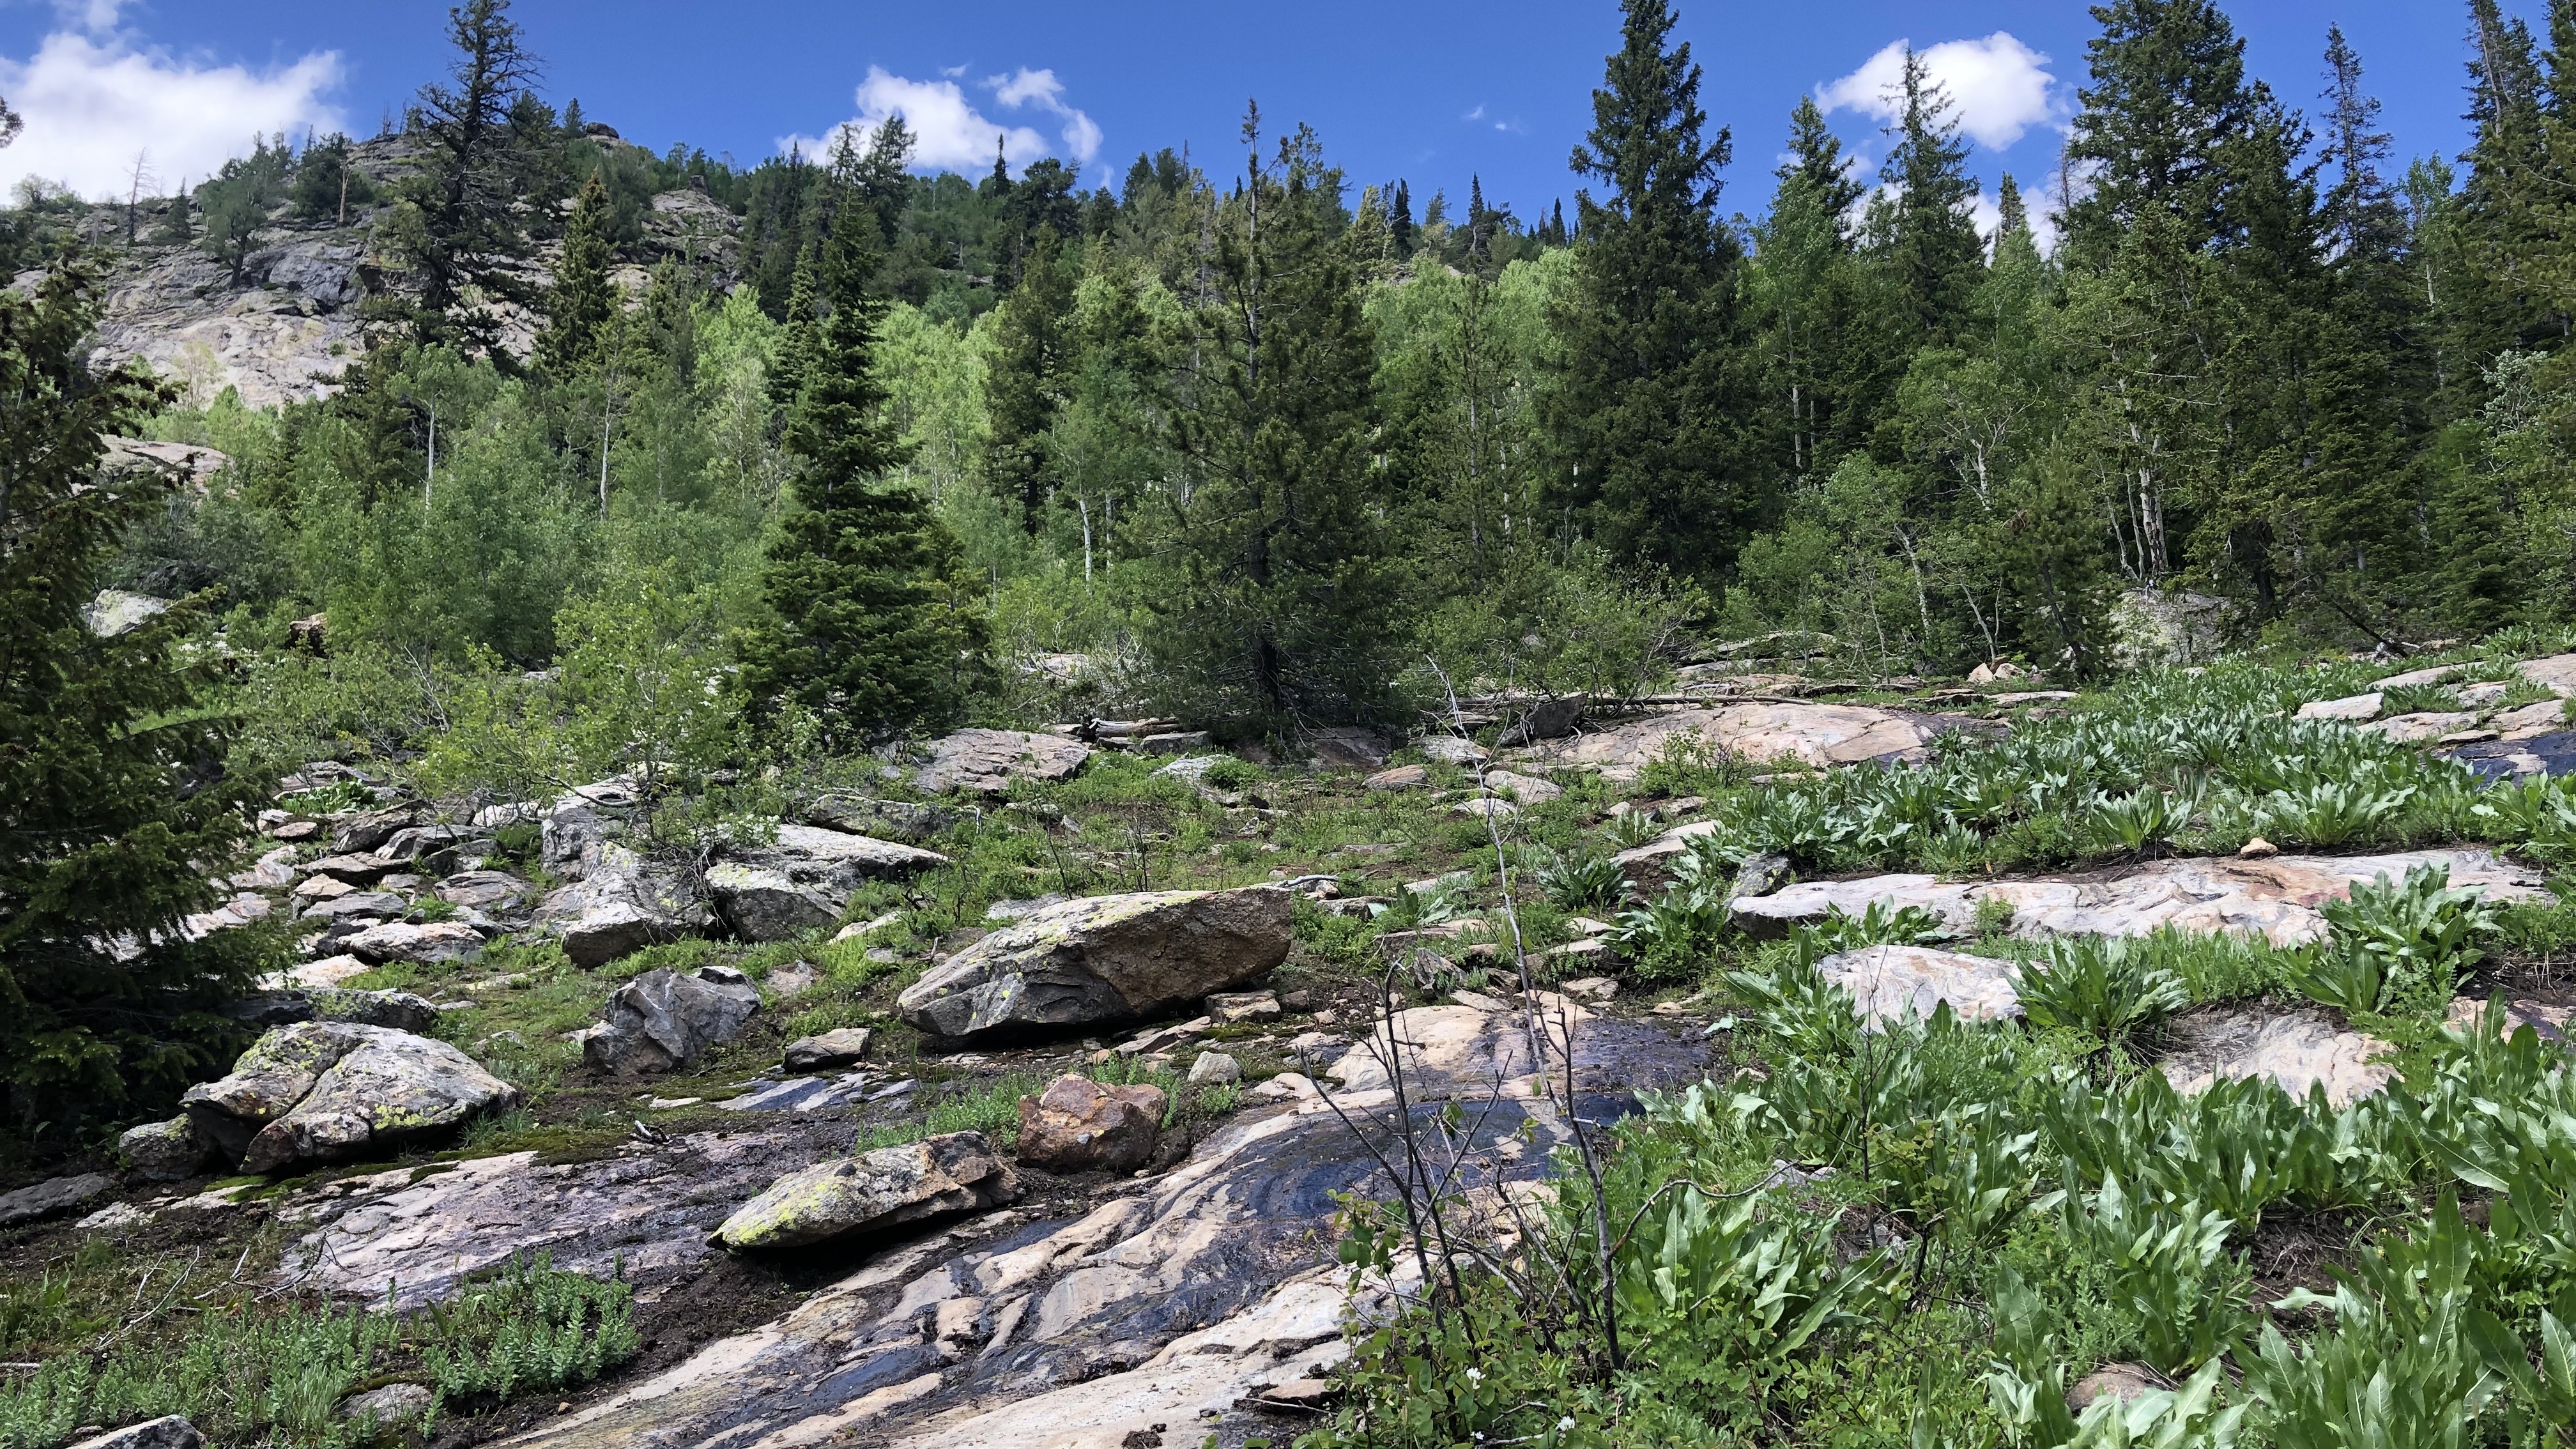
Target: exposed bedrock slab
[(1185, 1293), (2276, 898), (2298, 1050), (987, 761), (1103, 958), (1811, 734), (650, 1207), (1890, 983)]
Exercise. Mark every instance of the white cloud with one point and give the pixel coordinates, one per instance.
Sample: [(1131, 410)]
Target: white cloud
[(1999, 87), (950, 133), (1477, 114), (91, 103), (89, 14)]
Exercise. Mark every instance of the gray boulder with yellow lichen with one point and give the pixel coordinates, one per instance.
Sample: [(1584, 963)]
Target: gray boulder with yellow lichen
[(328, 1091), (887, 1188)]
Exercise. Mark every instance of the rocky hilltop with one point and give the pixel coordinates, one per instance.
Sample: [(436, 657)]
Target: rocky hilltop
[(298, 315)]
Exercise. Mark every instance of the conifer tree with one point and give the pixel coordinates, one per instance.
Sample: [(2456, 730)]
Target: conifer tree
[(1400, 219), (1650, 414), (1933, 252), (1271, 600), (583, 299), (1816, 162), (113, 813), (467, 222), (1024, 379), (865, 629)]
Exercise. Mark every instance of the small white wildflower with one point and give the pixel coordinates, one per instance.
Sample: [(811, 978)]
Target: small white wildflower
[(1476, 1376), (1565, 1423)]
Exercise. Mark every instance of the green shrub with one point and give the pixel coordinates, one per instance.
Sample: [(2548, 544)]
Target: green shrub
[(2109, 988)]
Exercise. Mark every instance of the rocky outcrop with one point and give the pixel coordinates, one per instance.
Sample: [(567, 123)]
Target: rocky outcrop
[(662, 1020), (1079, 1125), (163, 1151), (985, 762), (901, 820), (1796, 733), (2298, 1051), (1167, 1301), (1103, 958), (2276, 898), (934, 1178), (839, 1047), (645, 1210), (802, 880), (2352, 708), (167, 1432), (1892, 983), (400, 1010), (51, 1198), (116, 611), (620, 909), (422, 944), (328, 1091)]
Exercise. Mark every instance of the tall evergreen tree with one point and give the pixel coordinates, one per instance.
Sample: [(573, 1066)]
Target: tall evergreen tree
[(1272, 607), (468, 224), (114, 806), (865, 630), (1816, 162), (1932, 250), (2167, 99), (1650, 415), (583, 299), (1023, 380)]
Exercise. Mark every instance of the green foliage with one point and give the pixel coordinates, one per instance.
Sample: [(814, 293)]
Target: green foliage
[(275, 1373), (112, 797), (865, 631), (2110, 988), (2396, 946)]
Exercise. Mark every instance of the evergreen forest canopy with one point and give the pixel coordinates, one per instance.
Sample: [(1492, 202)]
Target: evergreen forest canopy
[(1274, 445)]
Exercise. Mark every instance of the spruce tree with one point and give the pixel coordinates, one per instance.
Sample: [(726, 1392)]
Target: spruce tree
[(1651, 416), (1023, 381), (583, 299), (2168, 97), (866, 628), (114, 808), (1271, 599), (1816, 162), (468, 224), (1933, 252)]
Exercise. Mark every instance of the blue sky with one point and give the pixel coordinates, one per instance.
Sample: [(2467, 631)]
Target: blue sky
[(1433, 92)]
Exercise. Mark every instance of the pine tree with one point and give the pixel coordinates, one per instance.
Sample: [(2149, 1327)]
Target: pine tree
[(1400, 219), (1933, 252), (583, 299), (1271, 600), (1024, 381), (865, 629), (1816, 162), (113, 813), (2168, 98), (1650, 416), (468, 224)]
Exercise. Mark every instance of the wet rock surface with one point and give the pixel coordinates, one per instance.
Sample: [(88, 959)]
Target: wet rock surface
[(2276, 898), (1103, 958), (646, 1209)]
